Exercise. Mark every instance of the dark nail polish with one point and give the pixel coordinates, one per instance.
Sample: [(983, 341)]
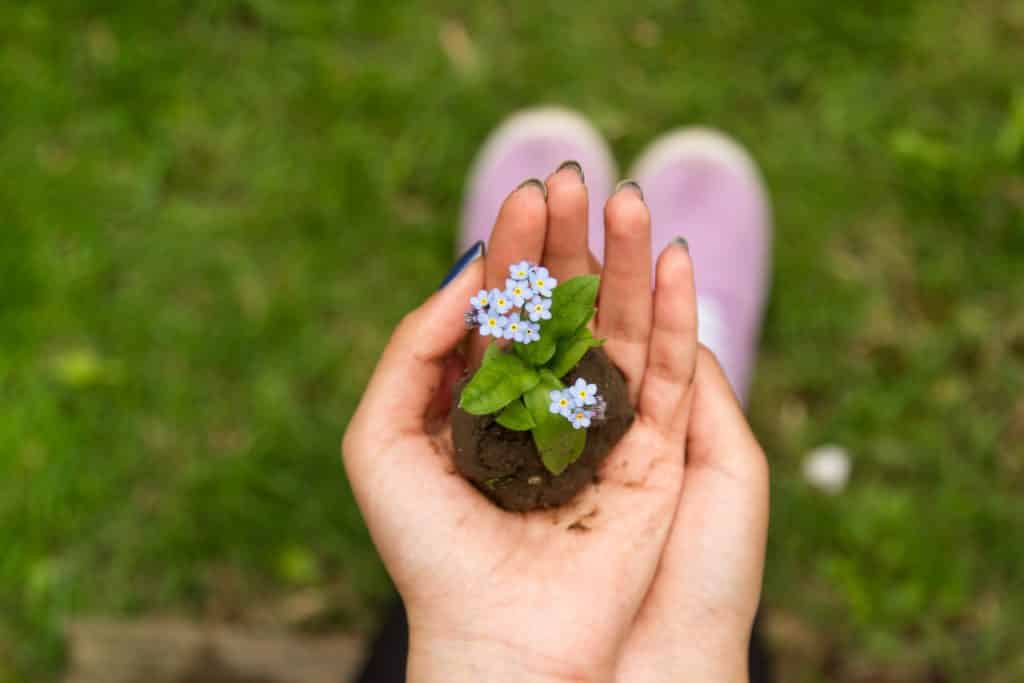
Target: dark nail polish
[(574, 165), (472, 254), (536, 183), (681, 241), (630, 185)]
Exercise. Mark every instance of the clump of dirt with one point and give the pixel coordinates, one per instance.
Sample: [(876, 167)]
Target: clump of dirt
[(505, 464)]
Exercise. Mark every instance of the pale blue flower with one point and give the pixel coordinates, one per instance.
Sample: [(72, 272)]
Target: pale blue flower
[(500, 301), (583, 394), (532, 332), (580, 418), (518, 290), (492, 323), (520, 271), (561, 403), (481, 300), (539, 309), (541, 281), (515, 328)]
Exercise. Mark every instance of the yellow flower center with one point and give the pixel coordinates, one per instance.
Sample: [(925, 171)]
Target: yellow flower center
[(540, 283)]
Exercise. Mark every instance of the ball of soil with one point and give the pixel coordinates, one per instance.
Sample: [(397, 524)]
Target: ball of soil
[(505, 464)]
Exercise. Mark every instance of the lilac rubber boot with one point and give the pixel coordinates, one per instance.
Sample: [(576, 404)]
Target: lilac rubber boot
[(532, 144), (701, 185)]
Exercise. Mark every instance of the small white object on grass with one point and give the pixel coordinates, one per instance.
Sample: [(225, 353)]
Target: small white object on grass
[(827, 468)]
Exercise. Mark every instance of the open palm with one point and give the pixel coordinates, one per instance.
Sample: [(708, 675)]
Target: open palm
[(585, 592)]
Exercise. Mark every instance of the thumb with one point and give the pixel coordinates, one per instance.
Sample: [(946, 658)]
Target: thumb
[(722, 520), (412, 367), (719, 436)]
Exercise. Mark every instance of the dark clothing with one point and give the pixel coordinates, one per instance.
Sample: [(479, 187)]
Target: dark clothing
[(386, 659)]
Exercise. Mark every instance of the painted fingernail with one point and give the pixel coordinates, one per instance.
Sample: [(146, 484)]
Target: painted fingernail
[(535, 183), (681, 242), (574, 165), (471, 254), (629, 185)]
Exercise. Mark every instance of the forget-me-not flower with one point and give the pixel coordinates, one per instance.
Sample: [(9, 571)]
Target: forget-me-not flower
[(515, 328), (532, 332), (580, 418), (480, 301), (541, 281), (539, 309), (583, 394), (518, 290), (500, 301), (520, 271), (492, 323), (561, 403)]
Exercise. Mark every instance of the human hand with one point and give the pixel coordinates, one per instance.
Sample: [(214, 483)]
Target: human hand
[(553, 595), (695, 620)]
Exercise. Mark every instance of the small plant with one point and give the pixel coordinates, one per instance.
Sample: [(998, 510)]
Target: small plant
[(547, 323)]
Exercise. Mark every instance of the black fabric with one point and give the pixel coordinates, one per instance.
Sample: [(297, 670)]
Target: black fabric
[(385, 662)]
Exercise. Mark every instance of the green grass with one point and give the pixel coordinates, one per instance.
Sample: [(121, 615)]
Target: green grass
[(212, 213)]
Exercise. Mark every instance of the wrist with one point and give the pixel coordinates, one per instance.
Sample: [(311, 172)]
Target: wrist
[(726, 665), (472, 659)]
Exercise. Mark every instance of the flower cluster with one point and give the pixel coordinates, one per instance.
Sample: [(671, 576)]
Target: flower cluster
[(503, 313), (580, 404)]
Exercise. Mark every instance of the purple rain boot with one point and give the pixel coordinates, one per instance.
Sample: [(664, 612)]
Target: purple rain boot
[(532, 144), (701, 185)]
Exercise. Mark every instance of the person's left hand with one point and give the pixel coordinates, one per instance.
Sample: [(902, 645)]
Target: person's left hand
[(695, 621)]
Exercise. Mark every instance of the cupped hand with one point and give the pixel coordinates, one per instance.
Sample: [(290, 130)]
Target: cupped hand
[(547, 595)]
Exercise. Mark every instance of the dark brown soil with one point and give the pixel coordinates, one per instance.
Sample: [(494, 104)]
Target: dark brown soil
[(505, 464)]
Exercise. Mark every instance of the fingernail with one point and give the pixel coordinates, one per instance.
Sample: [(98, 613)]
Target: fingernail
[(536, 183), (630, 185), (681, 241), (574, 165), (472, 254)]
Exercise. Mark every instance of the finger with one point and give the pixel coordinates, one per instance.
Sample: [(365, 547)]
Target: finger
[(624, 317), (672, 350), (566, 253), (411, 369), (518, 235), (718, 435)]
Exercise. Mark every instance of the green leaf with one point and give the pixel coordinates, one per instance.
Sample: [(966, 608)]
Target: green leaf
[(557, 442), (491, 351), (500, 380), (539, 352), (516, 417), (572, 305), (571, 349)]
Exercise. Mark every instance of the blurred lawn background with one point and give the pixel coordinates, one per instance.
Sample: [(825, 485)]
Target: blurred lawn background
[(212, 214)]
